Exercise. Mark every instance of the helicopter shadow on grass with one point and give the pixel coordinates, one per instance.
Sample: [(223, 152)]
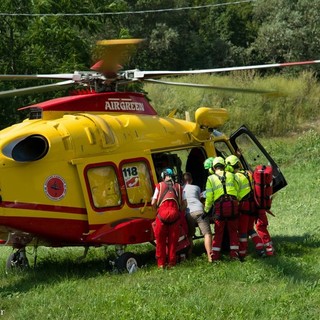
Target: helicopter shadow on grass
[(51, 270), (288, 262), (292, 258)]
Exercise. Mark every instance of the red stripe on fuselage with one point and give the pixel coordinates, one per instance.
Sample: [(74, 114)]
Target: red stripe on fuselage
[(57, 231), (53, 231), (42, 207)]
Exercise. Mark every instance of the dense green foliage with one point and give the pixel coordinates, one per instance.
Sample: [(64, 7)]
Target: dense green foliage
[(285, 286), (45, 36)]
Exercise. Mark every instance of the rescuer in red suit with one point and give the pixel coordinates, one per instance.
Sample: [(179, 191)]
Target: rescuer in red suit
[(169, 200), (262, 230), (247, 208), (222, 189)]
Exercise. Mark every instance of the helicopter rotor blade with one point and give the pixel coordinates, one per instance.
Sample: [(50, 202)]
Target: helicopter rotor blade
[(59, 76), (208, 86), (107, 71), (142, 75), (44, 88)]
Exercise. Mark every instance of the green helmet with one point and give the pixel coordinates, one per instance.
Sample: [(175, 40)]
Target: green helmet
[(218, 161), (232, 160), (208, 163)]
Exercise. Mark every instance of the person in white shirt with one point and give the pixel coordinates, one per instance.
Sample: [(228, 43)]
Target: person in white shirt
[(194, 212)]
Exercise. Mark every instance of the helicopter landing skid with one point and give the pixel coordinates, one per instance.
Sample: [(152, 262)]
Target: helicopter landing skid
[(86, 249)]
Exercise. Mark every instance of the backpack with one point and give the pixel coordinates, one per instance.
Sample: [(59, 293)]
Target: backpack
[(262, 177), (227, 206), (169, 202)]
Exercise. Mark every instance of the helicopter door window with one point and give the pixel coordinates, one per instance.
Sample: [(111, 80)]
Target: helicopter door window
[(104, 187), (222, 149), (137, 182), (250, 152)]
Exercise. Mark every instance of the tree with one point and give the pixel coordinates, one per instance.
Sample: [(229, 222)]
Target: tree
[(42, 44), (289, 30)]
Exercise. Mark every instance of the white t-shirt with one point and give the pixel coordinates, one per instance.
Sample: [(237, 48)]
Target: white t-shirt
[(192, 195)]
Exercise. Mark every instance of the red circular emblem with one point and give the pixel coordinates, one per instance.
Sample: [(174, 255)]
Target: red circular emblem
[(55, 187)]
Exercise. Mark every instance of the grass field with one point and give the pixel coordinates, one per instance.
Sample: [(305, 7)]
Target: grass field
[(285, 286)]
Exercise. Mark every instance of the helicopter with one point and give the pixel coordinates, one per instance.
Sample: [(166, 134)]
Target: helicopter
[(81, 169)]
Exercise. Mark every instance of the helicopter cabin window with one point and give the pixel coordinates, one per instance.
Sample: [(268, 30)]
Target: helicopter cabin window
[(137, 181), (104, 187), (180, 161)]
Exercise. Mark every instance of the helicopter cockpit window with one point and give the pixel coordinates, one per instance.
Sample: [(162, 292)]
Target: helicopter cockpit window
[(137, 181), (104, 187)]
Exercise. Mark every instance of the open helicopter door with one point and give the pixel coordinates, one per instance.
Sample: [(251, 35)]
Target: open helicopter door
[(252, 153)]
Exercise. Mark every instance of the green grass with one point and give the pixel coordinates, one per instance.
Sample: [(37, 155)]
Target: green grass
[(270, 115), (285, 286)]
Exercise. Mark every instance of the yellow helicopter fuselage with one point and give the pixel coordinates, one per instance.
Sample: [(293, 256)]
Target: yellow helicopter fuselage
[(70, 176)]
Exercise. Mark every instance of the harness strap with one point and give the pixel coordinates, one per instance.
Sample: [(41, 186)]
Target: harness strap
[(223, 181), (168, 186), (162, 195), (226, 197)]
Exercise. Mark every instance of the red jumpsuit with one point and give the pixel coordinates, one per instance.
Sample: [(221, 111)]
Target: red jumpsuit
[(246, 228), (247, 210), (226, 212), (167, 224), (261, 227), (219, 226)]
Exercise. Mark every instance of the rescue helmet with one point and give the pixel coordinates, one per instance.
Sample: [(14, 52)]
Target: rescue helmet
[(218, 162), (208, 163), (166, 172), (232, 160), (232, 163)]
